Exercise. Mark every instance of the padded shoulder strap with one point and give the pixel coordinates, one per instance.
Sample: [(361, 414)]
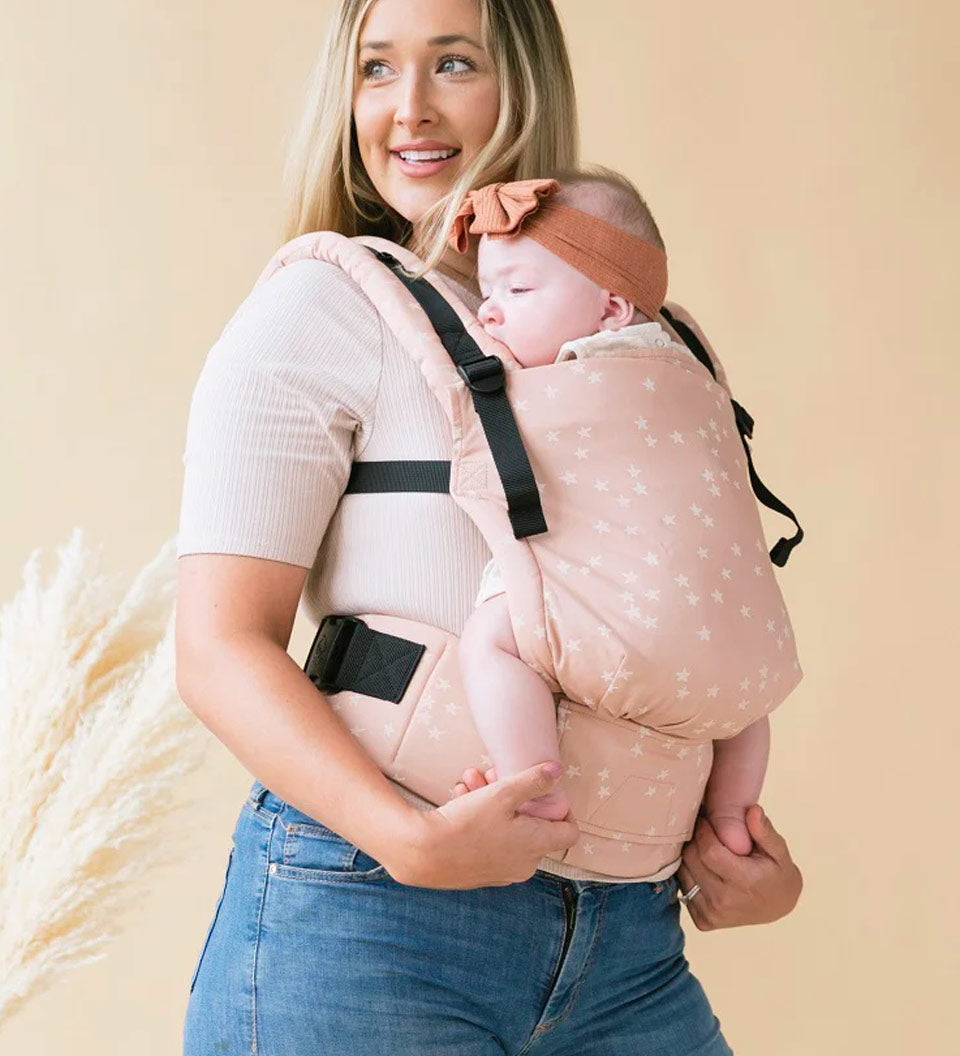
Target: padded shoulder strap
[(781, 550), (484, 376), (448, 344)]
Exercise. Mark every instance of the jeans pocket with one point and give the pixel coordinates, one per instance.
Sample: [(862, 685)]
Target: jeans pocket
[(312, 851), (213, 923)]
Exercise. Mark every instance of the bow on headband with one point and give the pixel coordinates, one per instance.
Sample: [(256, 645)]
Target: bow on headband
[(497, 209)]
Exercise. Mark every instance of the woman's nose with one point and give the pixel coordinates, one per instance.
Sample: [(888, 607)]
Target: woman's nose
[(414, 105)]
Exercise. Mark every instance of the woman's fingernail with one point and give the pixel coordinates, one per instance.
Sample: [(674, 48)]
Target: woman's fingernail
[(554, 769)]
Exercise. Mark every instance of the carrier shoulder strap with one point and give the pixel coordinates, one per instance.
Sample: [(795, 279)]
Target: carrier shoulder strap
[(781, 550), (484, 376)]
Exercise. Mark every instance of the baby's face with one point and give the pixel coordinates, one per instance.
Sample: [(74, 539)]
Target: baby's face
[(533, 300)]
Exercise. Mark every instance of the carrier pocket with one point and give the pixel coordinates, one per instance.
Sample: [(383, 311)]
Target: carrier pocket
[(637, 798), (627, 781)]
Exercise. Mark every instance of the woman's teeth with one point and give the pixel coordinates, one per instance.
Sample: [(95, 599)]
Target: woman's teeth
[(426, 155)]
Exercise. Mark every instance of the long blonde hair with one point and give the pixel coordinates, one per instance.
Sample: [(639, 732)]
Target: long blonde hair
[(327, 186)]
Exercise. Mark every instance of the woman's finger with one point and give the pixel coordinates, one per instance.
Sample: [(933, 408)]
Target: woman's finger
[(765, 836), (699, 906), (685, 877)]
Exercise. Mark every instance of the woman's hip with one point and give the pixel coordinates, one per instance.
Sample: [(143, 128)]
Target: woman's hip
[(315, 948)]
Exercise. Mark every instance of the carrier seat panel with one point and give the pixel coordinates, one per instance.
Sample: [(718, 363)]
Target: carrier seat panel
[(634, 792)]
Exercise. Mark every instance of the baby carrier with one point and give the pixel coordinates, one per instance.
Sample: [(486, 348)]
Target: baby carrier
[(618, 507)]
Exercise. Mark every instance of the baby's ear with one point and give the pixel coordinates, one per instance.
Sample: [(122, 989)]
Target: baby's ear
[(618, 312)]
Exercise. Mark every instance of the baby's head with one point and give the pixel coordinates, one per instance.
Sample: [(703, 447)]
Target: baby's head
[(534, 301)]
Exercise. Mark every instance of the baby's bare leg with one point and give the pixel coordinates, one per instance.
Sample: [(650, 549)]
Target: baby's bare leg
[(736, 778), (512, 706)]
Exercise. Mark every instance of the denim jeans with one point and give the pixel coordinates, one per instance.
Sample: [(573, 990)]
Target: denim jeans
[(315, 950)]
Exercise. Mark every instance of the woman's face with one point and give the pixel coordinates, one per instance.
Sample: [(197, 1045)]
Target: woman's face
[(423, 84)]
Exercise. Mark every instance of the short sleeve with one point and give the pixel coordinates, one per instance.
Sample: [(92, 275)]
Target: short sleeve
[(284, 401)]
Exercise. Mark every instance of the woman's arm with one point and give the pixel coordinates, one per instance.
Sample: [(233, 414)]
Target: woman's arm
[(233, 622)]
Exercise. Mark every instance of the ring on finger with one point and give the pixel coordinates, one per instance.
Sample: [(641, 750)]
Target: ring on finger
[(685, 897)]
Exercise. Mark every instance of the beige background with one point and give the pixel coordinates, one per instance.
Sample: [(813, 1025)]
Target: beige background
[(803, 164)]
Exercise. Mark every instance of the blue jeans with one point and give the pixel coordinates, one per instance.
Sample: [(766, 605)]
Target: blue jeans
[(315, 950)]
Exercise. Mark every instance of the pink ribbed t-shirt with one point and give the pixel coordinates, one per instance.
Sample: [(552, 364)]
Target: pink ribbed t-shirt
[(305, 379)]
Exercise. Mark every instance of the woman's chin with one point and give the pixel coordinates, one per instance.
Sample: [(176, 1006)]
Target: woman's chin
[(413, 201)]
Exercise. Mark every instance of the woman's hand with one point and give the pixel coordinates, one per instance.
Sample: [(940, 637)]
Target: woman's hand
[(479, 839), (754, 888)]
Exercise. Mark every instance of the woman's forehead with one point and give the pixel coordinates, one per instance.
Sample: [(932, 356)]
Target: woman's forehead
[(422, 23)]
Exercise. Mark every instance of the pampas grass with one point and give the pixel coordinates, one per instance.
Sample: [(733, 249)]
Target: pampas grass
[(94, 742)]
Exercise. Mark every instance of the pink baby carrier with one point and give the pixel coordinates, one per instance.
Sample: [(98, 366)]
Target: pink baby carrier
[(618, 507)]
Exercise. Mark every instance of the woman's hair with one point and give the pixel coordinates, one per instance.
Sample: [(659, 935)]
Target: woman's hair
[(537, 132)]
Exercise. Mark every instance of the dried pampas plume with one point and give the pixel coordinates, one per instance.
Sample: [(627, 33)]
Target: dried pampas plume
[(94, 742)]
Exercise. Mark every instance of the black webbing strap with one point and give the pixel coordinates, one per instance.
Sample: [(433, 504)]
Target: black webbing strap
[(781, 549), (484, 376), (347, 654), (399, 475)]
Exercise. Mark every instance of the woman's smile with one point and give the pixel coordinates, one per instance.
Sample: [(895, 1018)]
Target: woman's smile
[(423, 159)]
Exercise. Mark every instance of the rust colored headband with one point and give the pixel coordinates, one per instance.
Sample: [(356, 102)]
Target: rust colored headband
[(614, 260)]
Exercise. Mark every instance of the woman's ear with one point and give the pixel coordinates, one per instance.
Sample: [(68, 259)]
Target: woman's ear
[(617, 312)]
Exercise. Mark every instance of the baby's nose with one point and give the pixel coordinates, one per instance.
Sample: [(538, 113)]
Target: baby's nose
[(488, 313)]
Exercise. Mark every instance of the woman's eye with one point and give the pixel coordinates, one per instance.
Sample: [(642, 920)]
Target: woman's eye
[(368, 68), (366, 71), (458, 58), (519, 289)]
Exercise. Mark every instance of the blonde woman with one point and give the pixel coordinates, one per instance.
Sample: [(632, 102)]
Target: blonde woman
[(355, 918)]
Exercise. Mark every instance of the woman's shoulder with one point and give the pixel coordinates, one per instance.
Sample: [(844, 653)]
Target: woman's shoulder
[(307, 331), (308, 295)]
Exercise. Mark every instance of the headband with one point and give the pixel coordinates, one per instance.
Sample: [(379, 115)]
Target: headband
[(615, 260)]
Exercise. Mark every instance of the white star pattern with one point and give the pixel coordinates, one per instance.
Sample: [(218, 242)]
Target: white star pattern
[(593, 627)]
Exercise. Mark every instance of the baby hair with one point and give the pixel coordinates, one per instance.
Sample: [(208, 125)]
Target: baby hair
[(610, 196)]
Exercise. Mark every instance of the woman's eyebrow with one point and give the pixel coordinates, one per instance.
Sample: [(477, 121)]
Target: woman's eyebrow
[(433, 42)]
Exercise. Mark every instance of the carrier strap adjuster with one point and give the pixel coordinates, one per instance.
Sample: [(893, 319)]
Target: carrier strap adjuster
[(347, 654), (328, 650), (483, 375)]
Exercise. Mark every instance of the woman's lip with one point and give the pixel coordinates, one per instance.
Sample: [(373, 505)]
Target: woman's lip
[(422, 168)]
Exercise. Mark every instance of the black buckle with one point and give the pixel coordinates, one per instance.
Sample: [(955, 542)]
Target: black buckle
[(327, 652), (744, 421), (483, 375)]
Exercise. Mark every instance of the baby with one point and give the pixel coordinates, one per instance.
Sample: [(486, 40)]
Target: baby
[(545, 310)]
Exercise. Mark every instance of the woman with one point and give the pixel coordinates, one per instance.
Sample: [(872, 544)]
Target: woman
[(352, 919)]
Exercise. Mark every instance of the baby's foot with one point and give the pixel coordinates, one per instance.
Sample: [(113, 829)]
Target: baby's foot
[(731, 830), (554, 806)]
